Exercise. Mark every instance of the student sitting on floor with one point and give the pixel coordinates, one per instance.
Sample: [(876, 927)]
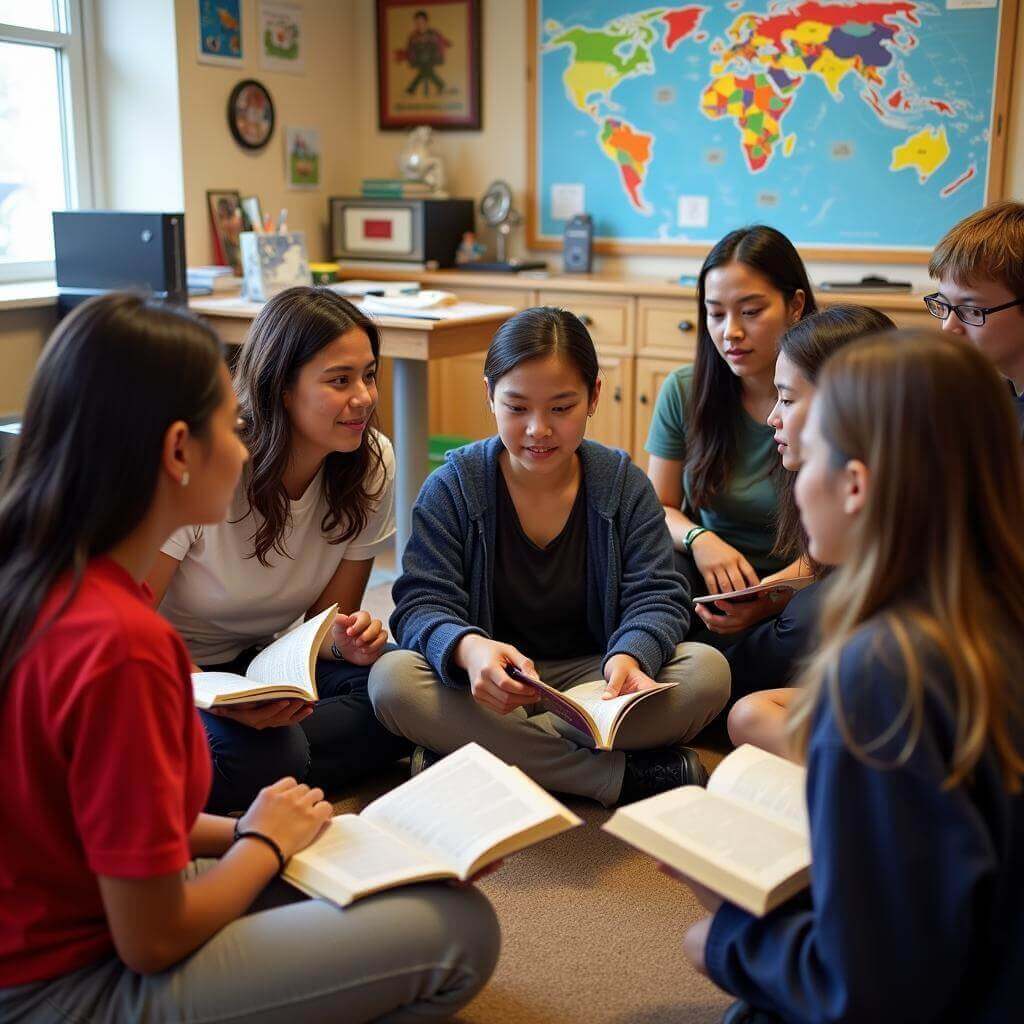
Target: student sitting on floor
[(130, 433), (764, 659), (713, 460), (315, 505), (979, 265), (912, 716), (542, 550)]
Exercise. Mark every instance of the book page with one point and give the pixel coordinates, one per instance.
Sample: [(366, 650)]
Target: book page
[(724, 834), (354, 857), (607, 714), (209, 688), (765, 783), (463, 806), (292, 658), (790, 585)]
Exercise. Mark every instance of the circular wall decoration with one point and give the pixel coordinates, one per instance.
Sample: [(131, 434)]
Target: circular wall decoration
[(251, 114)]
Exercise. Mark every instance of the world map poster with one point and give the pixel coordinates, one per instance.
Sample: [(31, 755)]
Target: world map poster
[(858, 125)]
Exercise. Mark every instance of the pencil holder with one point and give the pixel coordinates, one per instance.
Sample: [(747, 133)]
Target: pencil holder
[(272, 263)]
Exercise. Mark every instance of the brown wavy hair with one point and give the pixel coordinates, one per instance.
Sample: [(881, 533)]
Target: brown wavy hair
[(288, 332), (936, 555), (716, 404), (807, 344)]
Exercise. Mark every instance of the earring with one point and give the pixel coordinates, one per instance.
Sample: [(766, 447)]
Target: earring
[(184, 479)]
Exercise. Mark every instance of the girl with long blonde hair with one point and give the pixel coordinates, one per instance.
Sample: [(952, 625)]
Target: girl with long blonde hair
[(910, 718)]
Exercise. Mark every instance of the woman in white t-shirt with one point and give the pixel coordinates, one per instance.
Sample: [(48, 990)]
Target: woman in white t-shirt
[(313, 509)]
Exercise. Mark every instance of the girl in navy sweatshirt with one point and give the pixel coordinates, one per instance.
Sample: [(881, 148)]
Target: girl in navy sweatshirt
[(911, 715), (541, 550)]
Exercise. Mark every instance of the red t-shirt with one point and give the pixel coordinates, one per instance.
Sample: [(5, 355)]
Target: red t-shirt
[(104, 768)]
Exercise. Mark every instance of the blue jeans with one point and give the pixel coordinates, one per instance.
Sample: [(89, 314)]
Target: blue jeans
[(340, 742)]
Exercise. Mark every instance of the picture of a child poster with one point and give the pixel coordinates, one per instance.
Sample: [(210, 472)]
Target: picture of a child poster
[(428, 63), (302, 153)]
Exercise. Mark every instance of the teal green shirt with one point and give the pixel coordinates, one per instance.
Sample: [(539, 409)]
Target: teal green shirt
[(743, 514)]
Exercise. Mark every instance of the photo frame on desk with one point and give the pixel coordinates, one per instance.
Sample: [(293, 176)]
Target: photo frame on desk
[(428, 64), (228, 222)]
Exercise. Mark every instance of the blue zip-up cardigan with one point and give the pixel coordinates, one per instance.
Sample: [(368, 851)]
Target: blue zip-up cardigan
[(636, 600)]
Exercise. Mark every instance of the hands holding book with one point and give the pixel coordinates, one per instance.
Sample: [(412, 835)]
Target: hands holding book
[(484, 661), (722, 566), (359, 636), (623, 675), (290, 814), (267, 714)]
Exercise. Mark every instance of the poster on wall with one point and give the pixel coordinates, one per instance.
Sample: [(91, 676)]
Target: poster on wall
[(220, 32), (282, 43), (428, 64), (302, 158)]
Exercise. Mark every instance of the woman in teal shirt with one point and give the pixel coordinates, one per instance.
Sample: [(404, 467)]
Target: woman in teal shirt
[(714, 463)]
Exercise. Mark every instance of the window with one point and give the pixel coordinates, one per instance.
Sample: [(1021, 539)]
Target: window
[(44, 157)]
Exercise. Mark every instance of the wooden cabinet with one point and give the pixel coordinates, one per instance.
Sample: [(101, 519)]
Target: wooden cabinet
[(650, 375), (667, 328), (613, 421), (609, 319)]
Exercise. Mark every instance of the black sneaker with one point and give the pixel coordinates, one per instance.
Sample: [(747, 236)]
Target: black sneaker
[(421, 759), (650, 772), (743, 1013)]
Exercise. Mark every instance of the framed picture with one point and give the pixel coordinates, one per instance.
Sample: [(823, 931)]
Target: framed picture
[(302, 157), (251, 114), (282, 44), (228, 223), (428, 64), (220, 32)]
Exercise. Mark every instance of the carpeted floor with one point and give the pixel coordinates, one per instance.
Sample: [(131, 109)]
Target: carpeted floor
[(591, 929)]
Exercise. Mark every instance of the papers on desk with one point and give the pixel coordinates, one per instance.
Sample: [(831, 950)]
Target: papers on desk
[(419, 304)]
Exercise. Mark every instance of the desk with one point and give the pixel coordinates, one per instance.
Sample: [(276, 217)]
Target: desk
[(411, 343)]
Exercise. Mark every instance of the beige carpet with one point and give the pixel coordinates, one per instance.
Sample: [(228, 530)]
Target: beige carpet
[(591, 930)]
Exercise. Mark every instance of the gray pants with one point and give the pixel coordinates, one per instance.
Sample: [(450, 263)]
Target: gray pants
[(410, 700), (411, 954)]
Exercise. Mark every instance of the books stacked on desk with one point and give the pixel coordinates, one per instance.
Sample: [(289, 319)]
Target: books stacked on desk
[(399, 188), (207, 280)]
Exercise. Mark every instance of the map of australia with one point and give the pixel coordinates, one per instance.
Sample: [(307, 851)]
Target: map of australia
[(752, 106)]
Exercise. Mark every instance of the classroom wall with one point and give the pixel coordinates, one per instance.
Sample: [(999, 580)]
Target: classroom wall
[(322, 98), (474, 159)]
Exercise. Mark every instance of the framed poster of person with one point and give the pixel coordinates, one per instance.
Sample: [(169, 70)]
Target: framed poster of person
[(428, 64), (228, 223)]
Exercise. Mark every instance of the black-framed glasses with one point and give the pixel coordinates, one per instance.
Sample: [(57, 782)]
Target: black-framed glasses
[(974, 316)]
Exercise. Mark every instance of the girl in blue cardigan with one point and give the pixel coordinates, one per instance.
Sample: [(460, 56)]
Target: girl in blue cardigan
[(911, 713), (543, 551)]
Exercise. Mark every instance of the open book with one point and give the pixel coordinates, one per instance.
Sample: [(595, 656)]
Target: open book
[(461, 814), (746, 836), (286, 669), (583, 707), (791, 585)]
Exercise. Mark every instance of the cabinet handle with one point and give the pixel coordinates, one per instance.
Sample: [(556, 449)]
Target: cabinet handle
[(617, 397), (685, 326), (643, 399), (586, 319)]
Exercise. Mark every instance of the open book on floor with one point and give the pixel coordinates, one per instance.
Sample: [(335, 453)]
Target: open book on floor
[(791, 585), (286, 669), (745, 837), (450, 821), (583, 707)]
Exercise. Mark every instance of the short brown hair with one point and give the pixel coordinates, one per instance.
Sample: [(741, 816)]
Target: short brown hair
[(987, 246)]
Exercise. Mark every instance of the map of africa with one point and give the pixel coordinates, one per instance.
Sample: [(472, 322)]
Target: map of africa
[(855, 124)]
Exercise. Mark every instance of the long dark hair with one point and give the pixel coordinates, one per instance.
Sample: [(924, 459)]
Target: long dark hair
[(289, 331), (115, 374), (807, 344), (537, 333), (716, 405)]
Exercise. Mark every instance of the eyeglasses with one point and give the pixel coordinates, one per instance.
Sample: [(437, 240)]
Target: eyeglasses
[(971, 315)]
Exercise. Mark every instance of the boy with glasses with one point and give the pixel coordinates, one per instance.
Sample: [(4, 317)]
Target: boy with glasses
[(979, 265)]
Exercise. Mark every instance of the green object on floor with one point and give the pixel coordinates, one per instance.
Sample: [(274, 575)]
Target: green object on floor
[(440, 444)]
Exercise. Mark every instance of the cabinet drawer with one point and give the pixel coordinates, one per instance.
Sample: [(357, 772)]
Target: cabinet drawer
[(518, 298), (667, 328), (609, 320)]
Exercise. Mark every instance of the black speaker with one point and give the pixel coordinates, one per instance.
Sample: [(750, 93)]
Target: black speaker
[(578, 244)]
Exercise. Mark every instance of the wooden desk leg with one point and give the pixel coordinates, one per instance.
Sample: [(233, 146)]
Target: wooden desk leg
[(411, 443)]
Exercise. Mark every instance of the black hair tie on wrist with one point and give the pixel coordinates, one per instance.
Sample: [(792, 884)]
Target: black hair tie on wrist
[(246, 834)]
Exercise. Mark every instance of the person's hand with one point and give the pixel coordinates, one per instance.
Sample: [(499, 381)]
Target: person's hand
[(721, 565), (695, 942), (359, 637), (484, 661), (736, 616), (266, 714), (623, 675), (288, 812), (708, 899)]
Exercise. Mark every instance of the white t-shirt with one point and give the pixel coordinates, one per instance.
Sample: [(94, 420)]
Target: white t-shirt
[(222, 600)]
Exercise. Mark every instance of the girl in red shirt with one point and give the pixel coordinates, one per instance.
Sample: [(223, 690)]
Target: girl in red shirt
[(130, 432)]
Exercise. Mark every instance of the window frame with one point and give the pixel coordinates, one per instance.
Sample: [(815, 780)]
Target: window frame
[(73, 97)]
